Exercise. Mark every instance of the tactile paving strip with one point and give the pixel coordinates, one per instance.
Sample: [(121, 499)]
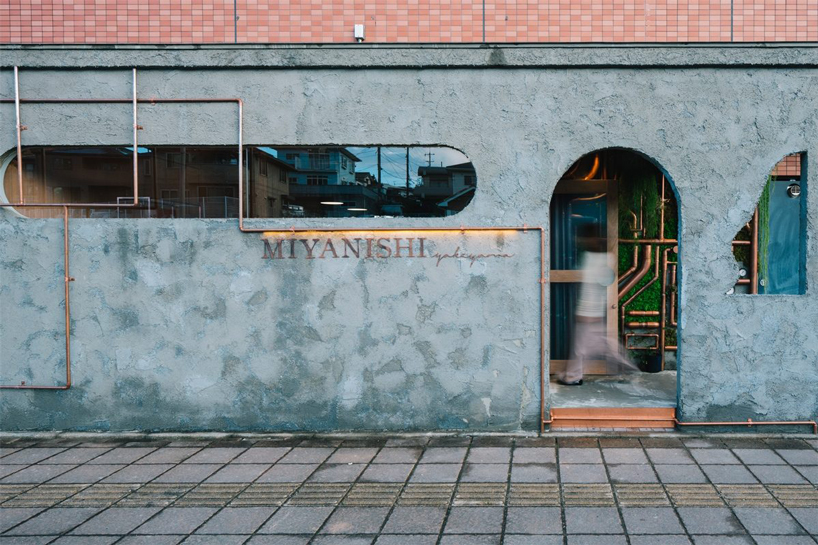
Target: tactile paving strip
[(99, 495), (534, 495), (210, 495), (8, 491), (320, 494), (694, 495), (45, 495), (641, 495), (587, 495), (480, 494), (264, 495), (373, 495), (427, 495), (155, 495), (795, 495), (747, 495)]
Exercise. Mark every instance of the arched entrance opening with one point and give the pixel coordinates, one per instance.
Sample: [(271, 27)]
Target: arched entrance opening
[(626, 207)]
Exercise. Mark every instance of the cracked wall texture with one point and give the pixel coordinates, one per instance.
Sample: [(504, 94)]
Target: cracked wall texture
[(181, 325)]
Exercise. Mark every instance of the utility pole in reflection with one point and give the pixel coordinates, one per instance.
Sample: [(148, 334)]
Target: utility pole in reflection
[(380, 183), (407, 172), (430, 155)]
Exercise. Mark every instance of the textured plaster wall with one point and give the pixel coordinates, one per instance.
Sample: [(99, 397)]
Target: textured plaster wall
[(182, 325)]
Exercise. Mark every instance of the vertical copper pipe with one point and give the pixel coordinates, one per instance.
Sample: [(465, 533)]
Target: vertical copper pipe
[(633, 267), (754, 255), (662, 306), (662, 212), (68, 280), (241, 164), (542, 330), (19, 135), (135, 146)]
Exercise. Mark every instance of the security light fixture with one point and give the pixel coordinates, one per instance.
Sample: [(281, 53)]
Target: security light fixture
[(359, 33), (793, 191), (742, 272)]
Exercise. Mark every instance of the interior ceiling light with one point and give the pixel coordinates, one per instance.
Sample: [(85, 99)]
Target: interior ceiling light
[(332, 203)]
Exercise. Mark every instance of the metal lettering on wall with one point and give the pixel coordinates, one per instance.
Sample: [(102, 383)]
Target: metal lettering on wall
[(368, 248)]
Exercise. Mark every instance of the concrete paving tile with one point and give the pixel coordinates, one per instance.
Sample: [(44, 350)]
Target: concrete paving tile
[(777, 475), (237, 520), (808, 517), (722, 540), (31, 455), (535, 455), (810, 473), (660, 540), (296, 520), (651, 520), (533, 473), (583, 473), (5, 451), (680, 474), (784, 540), (624, 456), (729, 475), (387, 473), (474, 520), (137, 473), (449, 441), (435, 473), (801, 457), (86, 474), (122, 455), (116, 521), (713, 456), (356, 520), (287, 473), (759, 456), (188, 473), (261, 455), (534, 520), (8, 470), (408, 441), (279, 540), (631, 473), (580, 456), (703, 442), (767, 521), (85, 540), (39, 473), (484, 473), (306, 455), (54, 521), (215, 539), (25, 540), (76, 455), (151, 540), (176, 520), (489, 455), (592, 520), (168, 455), (415, 520), (709, 520), (416, 539), (214, 455), (238, 473), (343, 540), (586, 539), (337, 473), (518, 539), (470, 540), (352, 456), (12, 516), (443, 455), (665, 456), (398, 456)]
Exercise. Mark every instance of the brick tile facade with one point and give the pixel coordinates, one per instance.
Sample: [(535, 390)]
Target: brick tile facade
[(406, 21)]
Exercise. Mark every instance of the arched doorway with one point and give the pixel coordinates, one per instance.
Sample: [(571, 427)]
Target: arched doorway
[(628, 203)]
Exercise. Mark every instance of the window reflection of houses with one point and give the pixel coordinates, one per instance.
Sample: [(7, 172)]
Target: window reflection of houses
[(269, 186), (447, 188)]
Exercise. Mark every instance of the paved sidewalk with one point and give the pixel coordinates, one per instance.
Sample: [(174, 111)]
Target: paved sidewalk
[(285, 490)]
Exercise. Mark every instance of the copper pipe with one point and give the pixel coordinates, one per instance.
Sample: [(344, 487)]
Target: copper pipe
[(639, 292), (542, 332), (744, 281), (671, 348), (19, 135), (663, 299), (629, 336), (754, 255), (643, 313), (742, 242), (648, 241), (639, 275), (135, 146), (750, 422), (626, 274), (662, 211), (673, 308), (642, 325), (68, 279)]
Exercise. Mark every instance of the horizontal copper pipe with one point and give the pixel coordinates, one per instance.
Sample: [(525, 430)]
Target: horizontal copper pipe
[(642, 313), (642, 325), (648, 241), (750, 422), (742, 242), (671, 348), (743, 281)]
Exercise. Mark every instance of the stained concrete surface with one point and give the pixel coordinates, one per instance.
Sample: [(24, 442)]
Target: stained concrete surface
[(631, 390)]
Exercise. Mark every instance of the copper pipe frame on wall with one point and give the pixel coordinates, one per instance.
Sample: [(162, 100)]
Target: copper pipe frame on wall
[(629, 336), (754, 255)]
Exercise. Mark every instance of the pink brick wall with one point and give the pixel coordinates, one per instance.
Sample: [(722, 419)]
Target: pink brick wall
[(412, 21)]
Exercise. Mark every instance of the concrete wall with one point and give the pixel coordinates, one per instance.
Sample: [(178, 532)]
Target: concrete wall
[(181, 324)]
